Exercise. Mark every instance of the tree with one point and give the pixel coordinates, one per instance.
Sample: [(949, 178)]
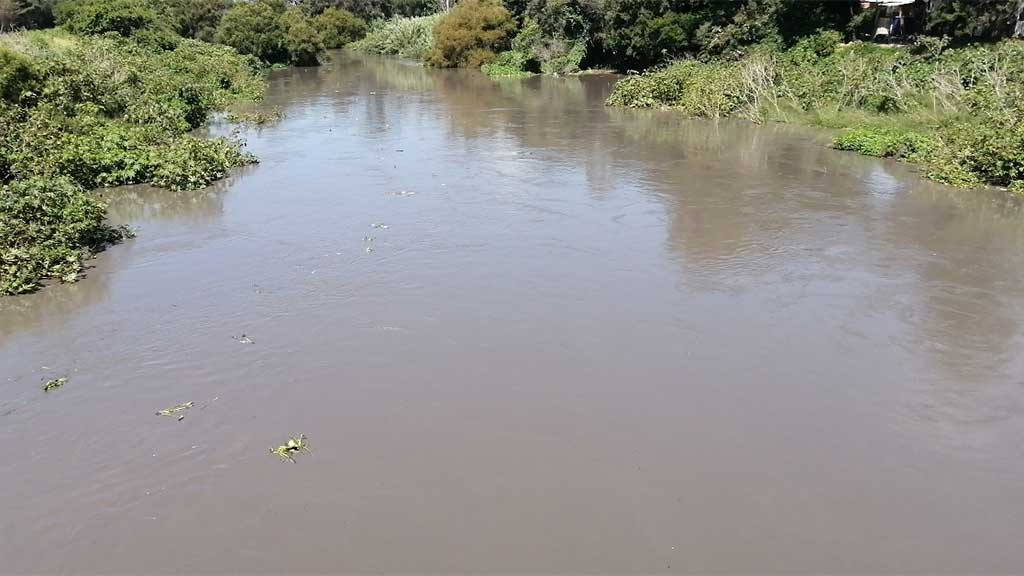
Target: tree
[(102, 16), (255, 28), (471, 34), (339, 27), (365, 9), (302, 40)]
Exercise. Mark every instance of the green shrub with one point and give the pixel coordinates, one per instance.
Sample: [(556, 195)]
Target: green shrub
[(471, 34), (340, 27), (105, 111), (886, 143), (695, 88), (196, 18), (129, 18), (509, 64), (190, 163), (562, 57), (302, 39), (123, 17), (47, 227), (255, 28), (404, 37), (991, 151), (19, 80)]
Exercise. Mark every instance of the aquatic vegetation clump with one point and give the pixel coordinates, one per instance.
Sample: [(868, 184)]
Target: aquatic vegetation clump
[(48, 227), (54, 384), (293, 446)]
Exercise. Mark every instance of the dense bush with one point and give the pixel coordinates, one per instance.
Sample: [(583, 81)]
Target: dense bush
[(255, 28), (47, 226), (471, 34), (365, 9), (302, 39), (886, 143), (339, 27), (103, 111), (508, 64), (404, 37), (195, 18), (129, 18), (696, 88), (19, 80)]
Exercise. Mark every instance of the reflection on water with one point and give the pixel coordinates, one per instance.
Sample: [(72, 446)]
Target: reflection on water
[(588, 339)]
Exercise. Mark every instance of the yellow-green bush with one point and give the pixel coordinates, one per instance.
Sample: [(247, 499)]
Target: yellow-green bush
[(471, 34)]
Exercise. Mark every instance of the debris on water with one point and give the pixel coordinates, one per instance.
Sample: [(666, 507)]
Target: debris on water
[(174, 410), (243, 339), (404, 193), (294, 445), (380, 226), (54, 384), (399, 150)]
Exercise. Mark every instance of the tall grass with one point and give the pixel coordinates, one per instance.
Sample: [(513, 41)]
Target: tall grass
[(403, 37), (960, 113)]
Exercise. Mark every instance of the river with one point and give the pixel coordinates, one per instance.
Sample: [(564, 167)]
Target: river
[(579, 339)]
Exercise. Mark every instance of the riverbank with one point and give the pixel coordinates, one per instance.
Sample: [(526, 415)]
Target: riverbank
[(82, 112), (956, 113)]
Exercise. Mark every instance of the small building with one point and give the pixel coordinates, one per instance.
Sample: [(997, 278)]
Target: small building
[(896, 20)]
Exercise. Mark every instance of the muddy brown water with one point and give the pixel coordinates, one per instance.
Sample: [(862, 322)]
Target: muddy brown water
[(589, 340)]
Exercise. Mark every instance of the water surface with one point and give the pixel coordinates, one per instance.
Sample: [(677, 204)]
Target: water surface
[(588, 340)]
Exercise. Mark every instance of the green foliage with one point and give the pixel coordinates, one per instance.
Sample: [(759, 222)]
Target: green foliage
[(47, 227), (339, 27), (129, 18), (302, 39), (19, 80), (958, 112), (886, 143), (404, 37), (189, 163), (123, 17), (471, 34), (195, 18), (104, 111), (255, 28), (965, 20), (508, 64), (366, 9), (695, 88), (643, 33)]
